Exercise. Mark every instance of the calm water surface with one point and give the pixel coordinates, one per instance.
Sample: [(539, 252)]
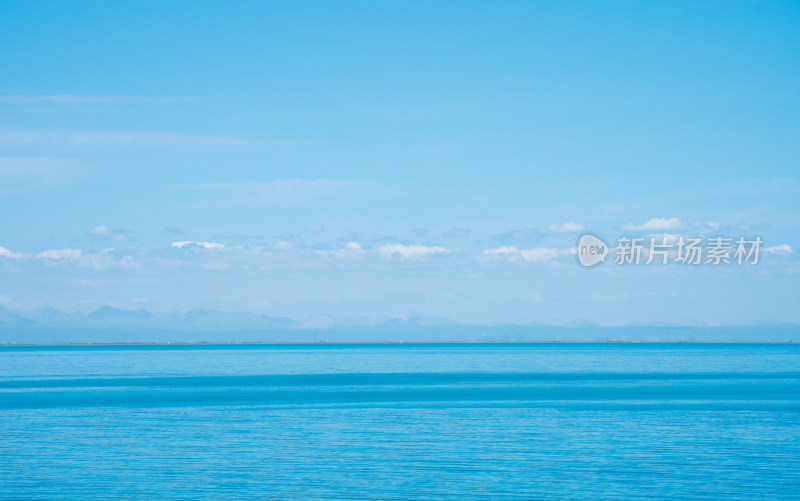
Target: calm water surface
[(549, 421)]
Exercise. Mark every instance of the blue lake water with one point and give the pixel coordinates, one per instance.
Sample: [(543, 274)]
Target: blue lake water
[(482, 421)]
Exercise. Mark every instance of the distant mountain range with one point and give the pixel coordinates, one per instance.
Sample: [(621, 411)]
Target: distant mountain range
[(201, 318), (112, 325)]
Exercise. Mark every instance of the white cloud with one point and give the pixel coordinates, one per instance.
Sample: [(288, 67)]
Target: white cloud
[(105, 259), (783, 249), (534, 255), (283, 245), (570, 227), (205, 245), (663, 238), (707, 226), (655, 224), (411, 251), (753, 226), (11, 255), (250, 250), (315, 228), (351, 249), (501, 251), (60, 254), (103, 231)]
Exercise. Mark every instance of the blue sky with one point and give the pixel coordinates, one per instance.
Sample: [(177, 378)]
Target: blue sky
[(361, 159)]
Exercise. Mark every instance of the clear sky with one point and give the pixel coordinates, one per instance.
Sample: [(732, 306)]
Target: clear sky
[(384, 158)]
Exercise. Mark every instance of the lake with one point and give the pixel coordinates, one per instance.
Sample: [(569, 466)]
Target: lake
[(401, 421)]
